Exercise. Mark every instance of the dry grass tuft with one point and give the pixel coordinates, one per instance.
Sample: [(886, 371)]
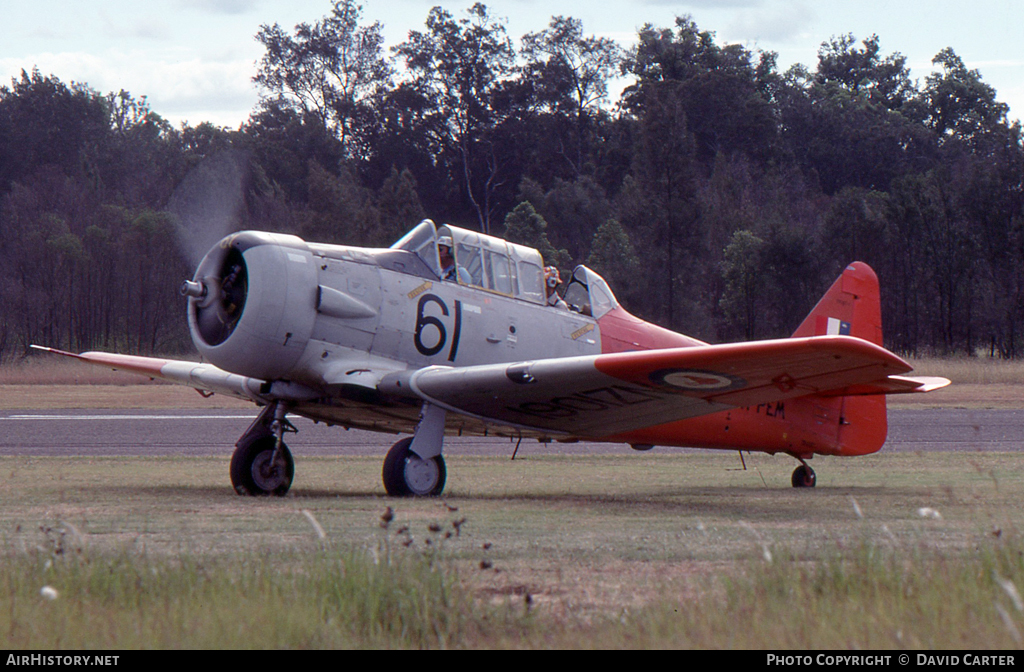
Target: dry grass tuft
[(971, 370), (978, 382)]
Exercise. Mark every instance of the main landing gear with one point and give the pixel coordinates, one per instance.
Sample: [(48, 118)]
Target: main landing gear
[(414, 467), (262, 463), (406, 474), (803, 476)]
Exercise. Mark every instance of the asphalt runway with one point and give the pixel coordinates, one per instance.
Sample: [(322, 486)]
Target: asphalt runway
[(101, 432)]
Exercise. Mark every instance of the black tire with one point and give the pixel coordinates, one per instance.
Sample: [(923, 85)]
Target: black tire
[(250, 468), (405, 474), (804, 477)]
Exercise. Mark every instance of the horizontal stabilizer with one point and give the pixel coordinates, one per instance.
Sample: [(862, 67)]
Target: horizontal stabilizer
[(892, 385), (919, 383)]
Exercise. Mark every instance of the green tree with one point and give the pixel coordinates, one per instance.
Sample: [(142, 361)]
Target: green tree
[(40, 221), (940, 250), (744, 283), (573, 211), (332, 70), (959, 103), (613, 256), (846, 127), (44, 122), (883, 81), (667, 175), (143, 159), (793, 277), (399, 206), (854, 228), (153, 307), (406, 135), (460, 68), (525, 226), (285, 142), (721, 95), (569, 74), (340, 210)]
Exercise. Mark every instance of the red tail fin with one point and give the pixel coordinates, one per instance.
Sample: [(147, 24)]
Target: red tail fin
[(852, 306)]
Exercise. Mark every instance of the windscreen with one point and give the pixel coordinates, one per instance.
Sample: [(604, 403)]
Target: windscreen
[(422, 241)]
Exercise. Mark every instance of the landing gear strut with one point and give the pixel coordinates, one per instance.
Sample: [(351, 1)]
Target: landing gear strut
[(262, 463), (414, 466), (803, 476)]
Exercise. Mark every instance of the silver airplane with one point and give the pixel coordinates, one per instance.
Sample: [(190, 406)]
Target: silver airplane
[(453, 332)]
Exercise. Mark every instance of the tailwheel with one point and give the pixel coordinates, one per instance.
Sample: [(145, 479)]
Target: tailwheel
[(406, 474), (804, 477), (261, 467)]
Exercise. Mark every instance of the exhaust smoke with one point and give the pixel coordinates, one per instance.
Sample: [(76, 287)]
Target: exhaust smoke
[(209, 203)]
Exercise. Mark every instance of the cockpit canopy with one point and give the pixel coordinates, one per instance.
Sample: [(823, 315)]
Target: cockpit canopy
[(502, 267), (484, 261)]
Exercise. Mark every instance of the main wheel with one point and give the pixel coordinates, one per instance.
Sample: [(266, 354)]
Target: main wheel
[(406, 474), (804, 477), (254, 473)]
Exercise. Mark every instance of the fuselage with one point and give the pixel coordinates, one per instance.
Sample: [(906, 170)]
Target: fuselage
[(335, 319)]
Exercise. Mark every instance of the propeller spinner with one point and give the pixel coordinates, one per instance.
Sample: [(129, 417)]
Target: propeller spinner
[(220, 298)]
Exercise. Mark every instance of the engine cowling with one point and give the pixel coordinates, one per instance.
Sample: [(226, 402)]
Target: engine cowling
[(252, 303)]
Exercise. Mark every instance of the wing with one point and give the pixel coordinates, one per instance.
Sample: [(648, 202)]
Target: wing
[(608, 394), (203, 377)]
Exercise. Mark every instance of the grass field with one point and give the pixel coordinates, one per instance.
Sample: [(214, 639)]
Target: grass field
[(605, 551), (645, 550)]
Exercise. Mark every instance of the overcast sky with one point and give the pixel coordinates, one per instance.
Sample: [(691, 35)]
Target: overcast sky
[(194, 59)]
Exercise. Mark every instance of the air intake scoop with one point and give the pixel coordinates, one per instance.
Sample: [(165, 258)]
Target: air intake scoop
[(339, 304)]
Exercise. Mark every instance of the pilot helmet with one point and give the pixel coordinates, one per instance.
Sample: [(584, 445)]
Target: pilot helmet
[(445, 241), (551, 276)]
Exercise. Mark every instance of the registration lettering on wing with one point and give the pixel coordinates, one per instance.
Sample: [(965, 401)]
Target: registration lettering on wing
[(598, 400)]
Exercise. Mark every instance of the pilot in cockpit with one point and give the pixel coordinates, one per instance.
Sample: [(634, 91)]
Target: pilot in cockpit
[(552, 280), (449, 270)]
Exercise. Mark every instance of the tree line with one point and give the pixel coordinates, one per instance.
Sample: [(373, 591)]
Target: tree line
[(717, 194)]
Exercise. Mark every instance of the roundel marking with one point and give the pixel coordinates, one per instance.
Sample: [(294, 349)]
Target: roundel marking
[(693, 379)]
